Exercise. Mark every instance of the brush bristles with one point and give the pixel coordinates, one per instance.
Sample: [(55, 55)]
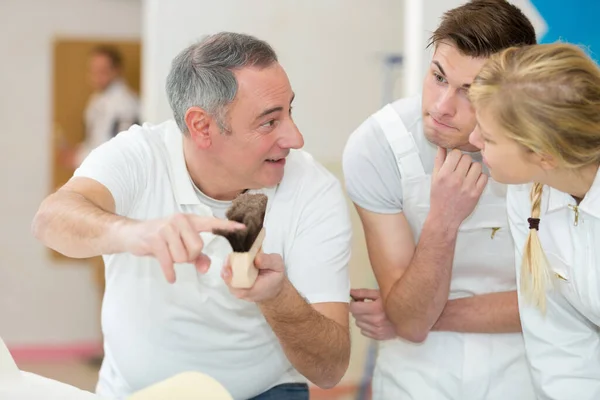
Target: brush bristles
[(248, 209)]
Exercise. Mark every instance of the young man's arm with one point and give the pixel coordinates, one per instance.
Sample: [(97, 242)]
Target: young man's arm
[(415, 280), (485, 313), (414, 284), (390, 246)]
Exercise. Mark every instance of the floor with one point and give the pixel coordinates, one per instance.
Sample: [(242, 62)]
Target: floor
[(84, 375)]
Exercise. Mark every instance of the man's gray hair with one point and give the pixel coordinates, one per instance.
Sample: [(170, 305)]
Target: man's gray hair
[(202, 74)]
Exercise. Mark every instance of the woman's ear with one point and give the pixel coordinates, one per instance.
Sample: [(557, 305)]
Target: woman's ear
[(547, 162), (544, 161)]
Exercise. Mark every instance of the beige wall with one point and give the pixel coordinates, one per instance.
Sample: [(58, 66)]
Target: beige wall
[(42, 302), (332, 51), (361, 276)]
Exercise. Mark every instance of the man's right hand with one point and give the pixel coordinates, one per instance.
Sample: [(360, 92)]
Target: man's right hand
[(173, 240), (367, 309), (456, 185)]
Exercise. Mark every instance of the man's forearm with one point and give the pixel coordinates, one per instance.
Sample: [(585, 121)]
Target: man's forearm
[(417, 299), (318, 347), (486, 313), (72, 225)]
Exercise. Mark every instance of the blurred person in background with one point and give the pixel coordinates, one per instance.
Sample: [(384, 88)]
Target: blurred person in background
[(112, 108)]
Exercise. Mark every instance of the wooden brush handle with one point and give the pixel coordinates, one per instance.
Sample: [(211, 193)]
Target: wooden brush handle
[(243, 271)]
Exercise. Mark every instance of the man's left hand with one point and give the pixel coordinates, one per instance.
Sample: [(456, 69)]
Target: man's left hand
[(269, 282)]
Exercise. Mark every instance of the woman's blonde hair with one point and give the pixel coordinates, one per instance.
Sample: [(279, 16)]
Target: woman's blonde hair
[(547, 98)]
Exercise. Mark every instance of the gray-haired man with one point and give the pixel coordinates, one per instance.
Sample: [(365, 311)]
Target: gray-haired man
[(148, 201)]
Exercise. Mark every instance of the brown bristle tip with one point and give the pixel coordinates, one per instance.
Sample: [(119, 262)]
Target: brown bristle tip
[(250, 210)]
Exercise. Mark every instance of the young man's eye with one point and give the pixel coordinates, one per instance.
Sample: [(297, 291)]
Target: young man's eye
[(439, 78)]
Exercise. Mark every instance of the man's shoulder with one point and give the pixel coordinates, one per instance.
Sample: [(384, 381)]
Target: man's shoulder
[(148, 130), (309, 194), (370, 144), (307, 190), (301, 167), (372, 177), (307, 181), (147, 135), (411, 114), (409, 111)]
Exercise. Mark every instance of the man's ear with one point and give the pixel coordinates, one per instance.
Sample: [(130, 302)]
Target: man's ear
[(200, 125)]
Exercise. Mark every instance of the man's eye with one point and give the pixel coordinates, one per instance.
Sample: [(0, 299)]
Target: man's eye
[(439, 78)]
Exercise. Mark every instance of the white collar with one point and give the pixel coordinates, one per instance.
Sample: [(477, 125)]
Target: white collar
[(589, 205), (591, 201)]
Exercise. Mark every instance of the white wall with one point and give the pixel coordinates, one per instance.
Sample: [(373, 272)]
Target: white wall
[(42, 302), (332, 51)]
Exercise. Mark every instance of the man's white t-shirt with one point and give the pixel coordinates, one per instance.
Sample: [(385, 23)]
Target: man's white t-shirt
[(153, 329)]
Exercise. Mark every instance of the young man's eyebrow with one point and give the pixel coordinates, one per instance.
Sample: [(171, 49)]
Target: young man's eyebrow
[(437, 64)]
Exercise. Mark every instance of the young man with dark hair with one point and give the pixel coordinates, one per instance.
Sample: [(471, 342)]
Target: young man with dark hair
[(446, 311)]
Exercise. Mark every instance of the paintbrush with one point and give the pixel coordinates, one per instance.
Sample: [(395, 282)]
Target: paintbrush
[(250, 210)]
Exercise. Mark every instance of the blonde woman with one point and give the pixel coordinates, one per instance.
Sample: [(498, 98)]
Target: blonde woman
[(538, 114)]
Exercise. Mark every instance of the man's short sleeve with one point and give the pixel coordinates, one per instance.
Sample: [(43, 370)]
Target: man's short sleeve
[(121, 165), (317, 262), (371, 174)]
